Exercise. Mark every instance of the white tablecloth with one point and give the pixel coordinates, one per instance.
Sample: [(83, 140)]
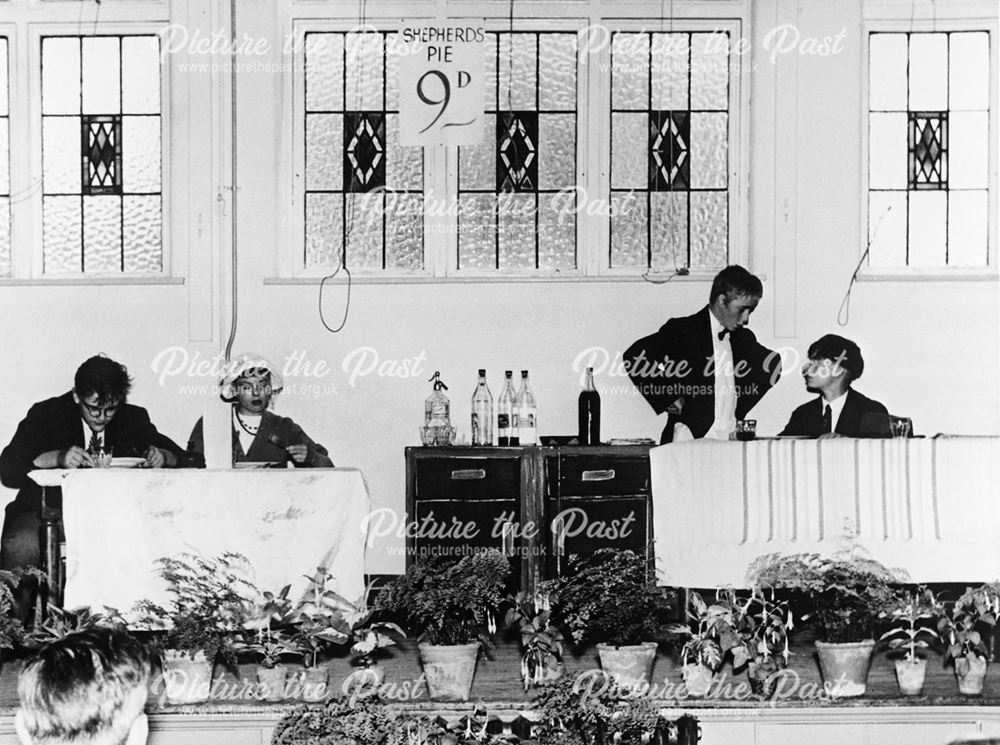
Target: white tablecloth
[(286, 522), (928, 506)]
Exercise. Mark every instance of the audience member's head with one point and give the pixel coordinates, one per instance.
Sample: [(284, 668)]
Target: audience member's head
[(88, 688), (844, 352), (104, 378)]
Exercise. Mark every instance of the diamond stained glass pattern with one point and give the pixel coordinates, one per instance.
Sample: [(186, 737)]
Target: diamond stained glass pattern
[(364, 155), (928, 150), (102, 208), (669, 165), (102, 168), (517, 157)]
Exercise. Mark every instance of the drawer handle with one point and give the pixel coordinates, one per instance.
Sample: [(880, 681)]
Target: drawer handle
[(607, 475), (468, 474), (507, 539), (559, 537)]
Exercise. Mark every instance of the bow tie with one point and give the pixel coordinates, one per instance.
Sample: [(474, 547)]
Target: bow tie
[(722, 334)]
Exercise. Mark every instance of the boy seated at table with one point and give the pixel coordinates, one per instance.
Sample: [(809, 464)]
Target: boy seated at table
[(839, 410), (259, 435)]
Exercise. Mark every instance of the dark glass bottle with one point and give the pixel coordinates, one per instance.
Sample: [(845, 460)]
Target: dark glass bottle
[(589, 410)]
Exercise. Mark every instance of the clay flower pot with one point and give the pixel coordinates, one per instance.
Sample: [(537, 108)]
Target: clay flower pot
[(630, 666), (845, 667)]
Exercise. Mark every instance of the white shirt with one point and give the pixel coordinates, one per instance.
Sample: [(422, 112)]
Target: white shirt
[(725, 389), (242, 423), (836, 407)]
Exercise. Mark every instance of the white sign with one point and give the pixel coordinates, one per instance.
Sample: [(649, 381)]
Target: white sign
[(441, 83)]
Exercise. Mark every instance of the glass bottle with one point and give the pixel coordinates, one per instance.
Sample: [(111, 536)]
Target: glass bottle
[(482, 413), (526, 413), (506, 433), (589, 411)]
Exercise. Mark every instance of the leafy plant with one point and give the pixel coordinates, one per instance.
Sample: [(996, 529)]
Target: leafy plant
[(362, 722), (763, 623), (608, 597), (268, 629), (976, 607), (449, 602), (714, 633), (11, 628), (910, 617), (541, 640), (846, 593), (319, 620), (61, 622), (211, 601)]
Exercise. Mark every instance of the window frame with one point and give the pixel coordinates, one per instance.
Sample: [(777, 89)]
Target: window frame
[(883, 18)]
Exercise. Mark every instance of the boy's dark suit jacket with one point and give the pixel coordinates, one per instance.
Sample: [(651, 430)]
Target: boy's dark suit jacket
[(860, 417), (653, 364)]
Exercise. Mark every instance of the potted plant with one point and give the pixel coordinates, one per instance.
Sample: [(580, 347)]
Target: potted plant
[(846, 593), (977, 607), (763, 624), (11, 628), (452, 607), (210, 604), (609, 598), (268, 637), (319, 624), (712, 638), (360, 722), (909, 634), (541, 639)]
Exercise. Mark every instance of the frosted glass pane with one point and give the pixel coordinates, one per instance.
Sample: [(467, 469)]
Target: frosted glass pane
[(668, 225), (143, 233), (4, 157), (928, 72), (927, 228), (710, 71), (522, 86), (404, 231), (403, 165), (628, 230), (324, 152), (102, 234), (364, 230), (478, 163), (887, 228), (516, 231), (5, 268), (709, 230), (556, 151), (968, 220), (324, 72), (629, 71), (476, 249), (60, 75), (101, 75), (968, 150), (556, 231), (392, 73), (887, 151), (670, 53), (629, 147), (557, 81), (4, 82), (969, 71), (490, 73), (140, 75), (324, 230), (62, 234), (709, 151), (887, 72), (364, 72), (140, 154), (61, 155)]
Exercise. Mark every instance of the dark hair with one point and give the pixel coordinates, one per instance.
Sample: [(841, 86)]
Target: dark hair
[(735, 280), (103, 376), (90, 685), (843, 351)]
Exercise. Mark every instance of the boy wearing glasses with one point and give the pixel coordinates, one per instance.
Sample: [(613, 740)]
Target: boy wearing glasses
[(63, 432)]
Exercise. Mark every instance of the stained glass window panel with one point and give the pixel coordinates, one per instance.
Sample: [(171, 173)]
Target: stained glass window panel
[(476, 247), (142, 233), (364, 80), (709, 150), (630, 71), (478, 165), (709, 229), (140, 75), (516, 216), (102, 233), (324, 229), (710, 71), (556, 231), (404, 228), (557, 82), (363, 213), (556, 151), (518, 74), (887, 151), (141, 159), (968, 228), (5, 265), (670, 55), (887, 228), (5, 252), (324, 72), (324, 149), (887, 78), (928, 72), (968, 140), (928, 213), (403, 165), (60, 75), (969, 72), (62, 218), (629, 222), (668, 224), (101, 75), (628, 156)]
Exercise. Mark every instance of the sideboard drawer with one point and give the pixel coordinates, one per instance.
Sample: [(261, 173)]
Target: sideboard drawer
[(468, 478), (588, 476)]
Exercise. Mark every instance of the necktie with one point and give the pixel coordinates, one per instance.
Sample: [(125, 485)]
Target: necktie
[(722, 334), (827, 419), (95, 443)]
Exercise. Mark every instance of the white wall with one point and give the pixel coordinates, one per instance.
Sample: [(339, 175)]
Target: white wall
[(931, 348)]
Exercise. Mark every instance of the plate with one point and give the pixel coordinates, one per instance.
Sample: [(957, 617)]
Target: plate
[(257, 464), (127, 462)]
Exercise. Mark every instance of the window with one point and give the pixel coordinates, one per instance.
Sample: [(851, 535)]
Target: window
[(101, 153), (929, 148), (5, 260)]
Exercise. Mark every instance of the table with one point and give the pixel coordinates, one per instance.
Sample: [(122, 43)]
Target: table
[(927, 506), (286, 522)]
